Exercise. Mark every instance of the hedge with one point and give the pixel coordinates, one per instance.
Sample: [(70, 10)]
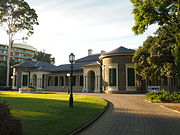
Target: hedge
[(163, 96), (9, 125), (8, 88)]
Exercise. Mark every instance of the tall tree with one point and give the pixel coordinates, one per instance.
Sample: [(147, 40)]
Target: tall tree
[(141, 59), (16, 16), (165, 13), (43, 56), (155, 59)]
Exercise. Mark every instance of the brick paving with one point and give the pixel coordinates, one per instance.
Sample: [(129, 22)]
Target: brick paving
[(130, 114)]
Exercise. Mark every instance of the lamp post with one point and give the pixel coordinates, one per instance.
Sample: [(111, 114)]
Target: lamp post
[(71, 60), (68, 75)]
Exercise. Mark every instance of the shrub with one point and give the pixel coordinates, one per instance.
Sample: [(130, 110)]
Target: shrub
[(8, 88), (9, 125), (176, 97), (163, 96)]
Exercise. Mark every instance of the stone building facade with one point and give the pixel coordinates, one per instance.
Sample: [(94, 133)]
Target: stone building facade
[(111, 72)]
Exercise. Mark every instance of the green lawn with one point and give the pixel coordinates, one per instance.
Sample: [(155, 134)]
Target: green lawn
[(49, 114)]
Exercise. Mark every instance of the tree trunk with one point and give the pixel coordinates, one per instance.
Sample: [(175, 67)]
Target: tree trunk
[(8, 60)]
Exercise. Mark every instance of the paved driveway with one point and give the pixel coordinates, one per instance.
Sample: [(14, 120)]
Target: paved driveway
[(130, 114)]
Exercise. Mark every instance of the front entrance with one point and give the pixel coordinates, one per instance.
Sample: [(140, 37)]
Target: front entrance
[(91, 81)]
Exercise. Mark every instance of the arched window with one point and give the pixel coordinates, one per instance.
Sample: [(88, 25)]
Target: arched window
[(34, 80), (50, 81)]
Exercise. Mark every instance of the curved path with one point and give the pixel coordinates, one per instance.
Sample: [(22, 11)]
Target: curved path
[(130, 114)]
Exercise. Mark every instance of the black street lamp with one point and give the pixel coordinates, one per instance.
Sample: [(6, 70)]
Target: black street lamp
[(71, 60), (68, 75)]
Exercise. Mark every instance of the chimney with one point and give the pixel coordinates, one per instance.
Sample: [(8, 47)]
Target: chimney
[(34, 60), (52, 62), (103, 52), (90, 51)]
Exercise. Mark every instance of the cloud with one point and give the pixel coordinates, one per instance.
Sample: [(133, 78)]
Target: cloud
[(77, 25)]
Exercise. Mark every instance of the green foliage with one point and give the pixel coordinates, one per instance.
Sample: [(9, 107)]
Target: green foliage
[(155, 57), (148, 12), (16, 15), (165, 13), (2, 76), (176, 53), (3, 71), (140, 59), (43, 56), (9, 125), (163, 96)]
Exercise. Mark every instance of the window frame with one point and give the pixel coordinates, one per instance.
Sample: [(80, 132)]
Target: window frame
[(24, 82), (131, 82), (112, 77)]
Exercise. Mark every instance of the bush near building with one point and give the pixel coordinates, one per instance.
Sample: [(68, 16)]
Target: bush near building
[(6, 88), (163, 96), (9, 125)]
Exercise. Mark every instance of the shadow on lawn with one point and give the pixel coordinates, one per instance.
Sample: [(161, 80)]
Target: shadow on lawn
[(51, 116)]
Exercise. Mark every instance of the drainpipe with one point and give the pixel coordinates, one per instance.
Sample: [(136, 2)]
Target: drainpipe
[(101, 78)]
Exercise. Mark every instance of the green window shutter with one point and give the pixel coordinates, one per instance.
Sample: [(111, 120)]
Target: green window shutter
[(112, 77), (131, 77), (25, 80)]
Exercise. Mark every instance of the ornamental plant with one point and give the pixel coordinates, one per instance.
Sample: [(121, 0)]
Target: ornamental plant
[(163, 96)]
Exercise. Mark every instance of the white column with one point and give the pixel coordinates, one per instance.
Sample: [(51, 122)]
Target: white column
[(85, 84), (97, 84)]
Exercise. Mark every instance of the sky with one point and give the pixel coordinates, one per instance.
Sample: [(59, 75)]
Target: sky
[(75, 26)]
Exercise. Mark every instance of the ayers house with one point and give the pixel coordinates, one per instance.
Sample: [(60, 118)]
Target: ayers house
[(109, 72)]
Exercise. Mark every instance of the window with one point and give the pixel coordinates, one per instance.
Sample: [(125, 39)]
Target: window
[(112, 77), (81, 80), (43, 76), (61, 81), (131, 77), (56, 80), (25, 80), (15, 80), (74, 81), (67, 80), (49, 81)]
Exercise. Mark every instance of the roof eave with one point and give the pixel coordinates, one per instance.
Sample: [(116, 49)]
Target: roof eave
[(120, 54)]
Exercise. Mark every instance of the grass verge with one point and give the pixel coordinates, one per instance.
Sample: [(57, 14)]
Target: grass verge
[(49, 114)]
